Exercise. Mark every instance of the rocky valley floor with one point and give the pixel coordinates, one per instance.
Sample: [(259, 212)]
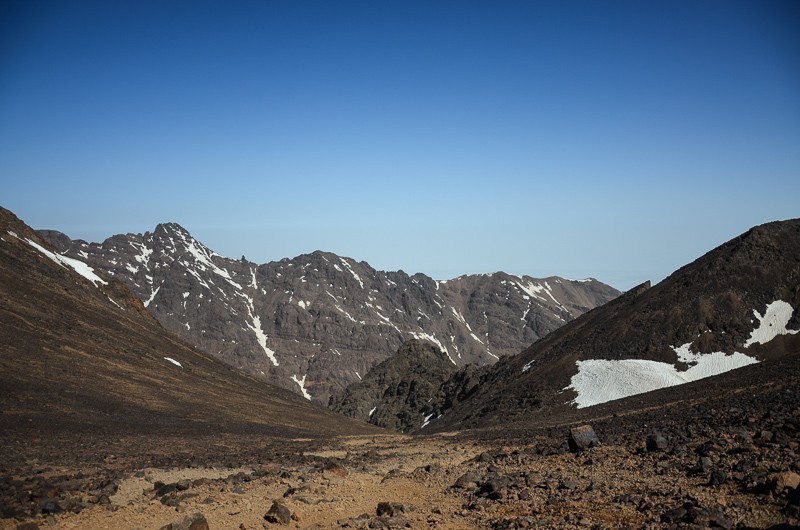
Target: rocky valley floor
[(729, 468)]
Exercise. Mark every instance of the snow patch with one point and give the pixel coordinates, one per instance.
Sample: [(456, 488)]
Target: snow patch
[(255, 327), (431, 338), (527, 366), (301, 383), (350, 268), (772, 323), (203, 256), (78, 266), (371, 412), (173, 361), (599, 380)]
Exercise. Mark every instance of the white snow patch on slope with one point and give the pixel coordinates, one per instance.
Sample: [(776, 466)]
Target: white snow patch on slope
[(144, 256), (255, 327), (371, 412), (301, 383), (152, 296), (527, 366), (78, 266), (431, 338), (173, 361), (203, 256), (772, 323), (349, 268), (599, 380)]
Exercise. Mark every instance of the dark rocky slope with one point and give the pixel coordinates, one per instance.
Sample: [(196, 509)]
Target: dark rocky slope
[(714, 304), (395, 393), (319, 322)]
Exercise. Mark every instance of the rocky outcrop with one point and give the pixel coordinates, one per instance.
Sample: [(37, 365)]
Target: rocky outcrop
[(397, 392), (318, 322)]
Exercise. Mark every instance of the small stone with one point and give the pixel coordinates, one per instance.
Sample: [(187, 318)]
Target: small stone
[(389, 509), (567, 485), (673, 516), (656, 442), (582, 438), (278, 513), (196, 521), (165, 489), (484, 458), (50, 506), (467, 481), (717, 478), (781, 481)]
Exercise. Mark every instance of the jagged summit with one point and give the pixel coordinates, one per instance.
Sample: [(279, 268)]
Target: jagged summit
[(318, 322)]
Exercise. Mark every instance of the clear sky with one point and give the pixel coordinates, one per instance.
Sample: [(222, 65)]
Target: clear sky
[(618, 140)]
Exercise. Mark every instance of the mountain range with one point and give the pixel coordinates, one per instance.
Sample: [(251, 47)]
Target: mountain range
[(732, 308), (670, 406), (318, 322)]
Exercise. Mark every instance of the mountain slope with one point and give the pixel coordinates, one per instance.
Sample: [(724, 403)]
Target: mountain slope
[(318, 322), (734, 306), (78, 352)]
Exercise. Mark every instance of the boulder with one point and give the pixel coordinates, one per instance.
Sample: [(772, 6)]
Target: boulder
[(582, 438)]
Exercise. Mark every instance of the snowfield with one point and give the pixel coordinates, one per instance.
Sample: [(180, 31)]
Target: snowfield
[(600, 380), (74, 264)]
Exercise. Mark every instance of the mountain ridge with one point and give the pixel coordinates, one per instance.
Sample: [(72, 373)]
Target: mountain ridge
[(317, 322)]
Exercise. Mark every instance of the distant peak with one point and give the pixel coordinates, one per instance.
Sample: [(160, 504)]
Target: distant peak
[(172, 228)]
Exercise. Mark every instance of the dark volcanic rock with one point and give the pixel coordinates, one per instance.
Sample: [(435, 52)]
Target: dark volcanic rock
[(278, 513), (318, 322), (656, 442), (582, 438), (389, 509), (196, 521)]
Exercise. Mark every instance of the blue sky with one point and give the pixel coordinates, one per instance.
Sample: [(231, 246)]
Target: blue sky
[(618, 140)]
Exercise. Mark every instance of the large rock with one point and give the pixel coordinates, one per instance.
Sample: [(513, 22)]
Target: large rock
[(582, 438), (278, 513)]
